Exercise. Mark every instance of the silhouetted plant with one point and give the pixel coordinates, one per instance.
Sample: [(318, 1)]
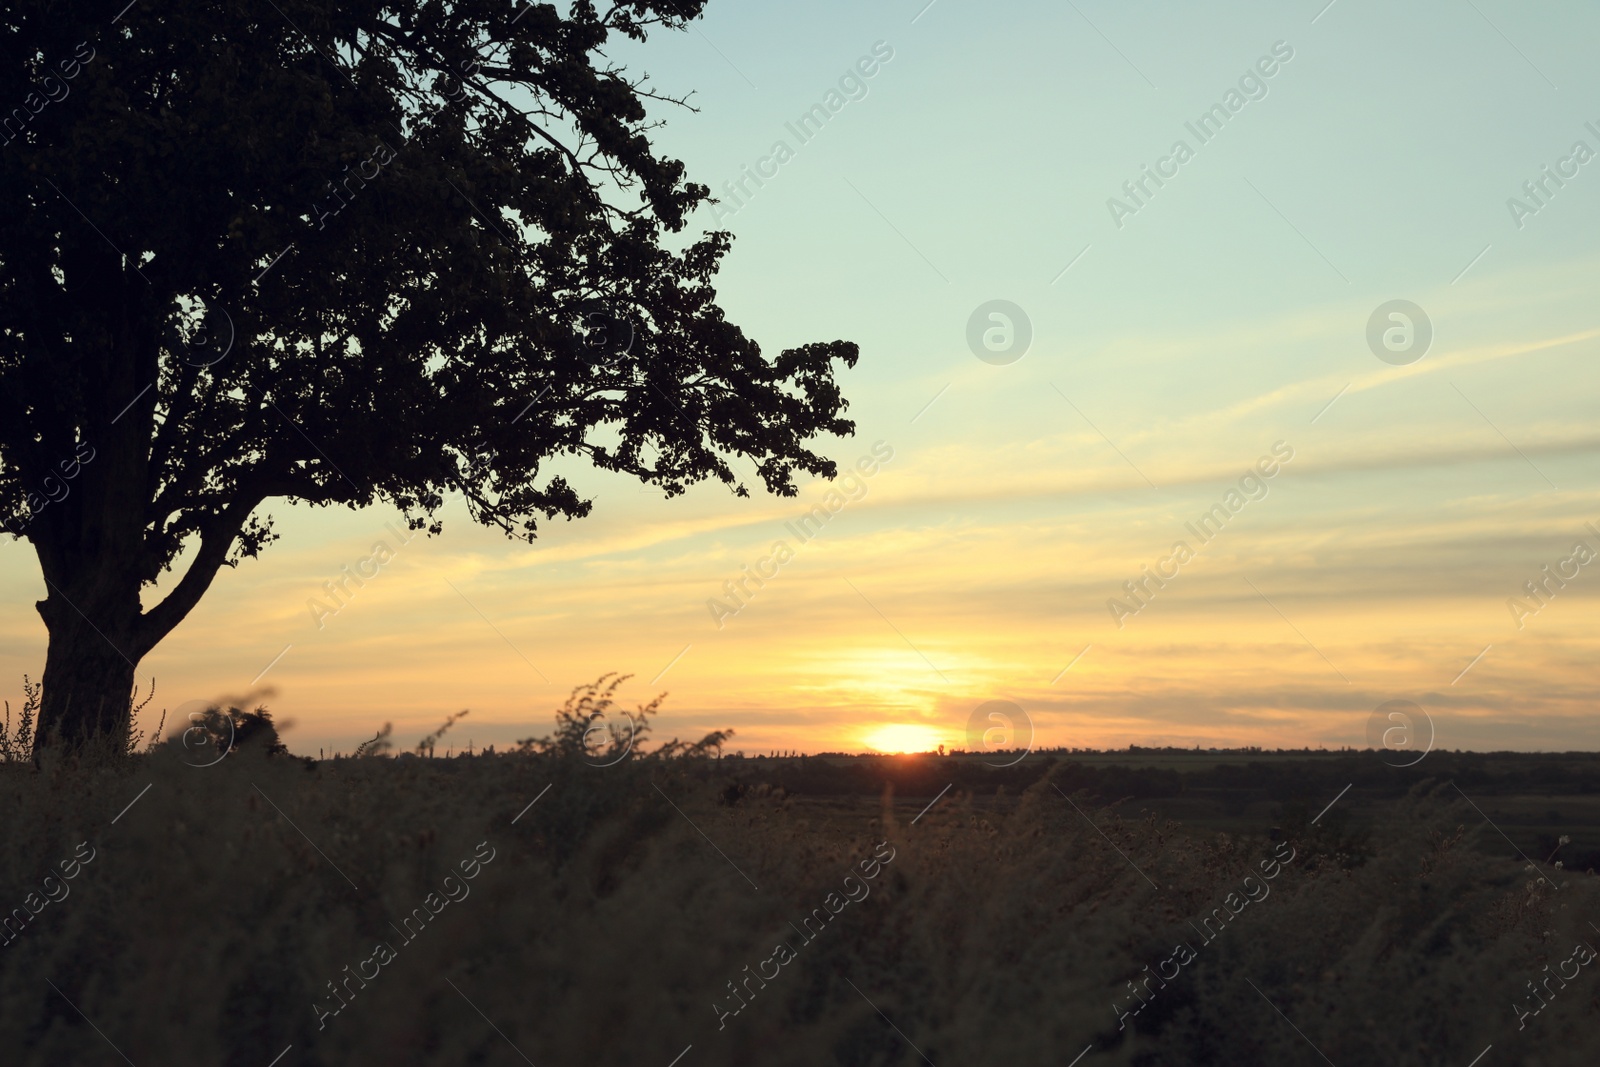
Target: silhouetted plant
[(583, 730), (379, 744), (513, 245), (133, 737), (17, 745), (231, 729), (426, 745)]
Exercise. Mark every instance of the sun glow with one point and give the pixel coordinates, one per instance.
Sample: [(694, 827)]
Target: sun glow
[(903, 737)]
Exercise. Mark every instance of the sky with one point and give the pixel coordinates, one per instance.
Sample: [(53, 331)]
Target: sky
[(1183, 339)]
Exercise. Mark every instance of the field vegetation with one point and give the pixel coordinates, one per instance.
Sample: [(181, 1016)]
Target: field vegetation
[(624, 896)]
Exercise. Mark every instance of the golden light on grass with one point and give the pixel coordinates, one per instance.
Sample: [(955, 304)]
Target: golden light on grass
[(904, 737)]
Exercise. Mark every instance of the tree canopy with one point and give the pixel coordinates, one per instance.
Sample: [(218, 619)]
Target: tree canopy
[(342, 254)]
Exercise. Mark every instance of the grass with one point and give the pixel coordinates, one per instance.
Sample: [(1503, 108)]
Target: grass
[(623, 900)]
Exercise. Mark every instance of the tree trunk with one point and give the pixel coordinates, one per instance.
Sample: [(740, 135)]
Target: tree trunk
[(88, 672)]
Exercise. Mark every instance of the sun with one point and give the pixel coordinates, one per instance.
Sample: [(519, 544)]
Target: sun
[(903, 737)]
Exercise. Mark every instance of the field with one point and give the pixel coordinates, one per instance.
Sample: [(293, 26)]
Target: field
[(677, 908), (1533, 798)]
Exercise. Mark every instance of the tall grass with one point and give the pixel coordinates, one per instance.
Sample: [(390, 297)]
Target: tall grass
[(623, 898)]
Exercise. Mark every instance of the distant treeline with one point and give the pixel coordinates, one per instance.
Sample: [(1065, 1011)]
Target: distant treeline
[(1280, 777)]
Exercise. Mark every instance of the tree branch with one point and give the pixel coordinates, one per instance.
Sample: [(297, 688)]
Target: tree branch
[(216, 540)]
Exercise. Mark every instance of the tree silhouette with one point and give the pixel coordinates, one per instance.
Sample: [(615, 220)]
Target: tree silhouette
[(338, 254)]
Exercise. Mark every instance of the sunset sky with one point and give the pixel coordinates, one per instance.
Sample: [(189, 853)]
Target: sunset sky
[(1173, 346)]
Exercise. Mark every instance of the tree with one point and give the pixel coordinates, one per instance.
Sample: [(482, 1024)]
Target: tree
[(341, 254)]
